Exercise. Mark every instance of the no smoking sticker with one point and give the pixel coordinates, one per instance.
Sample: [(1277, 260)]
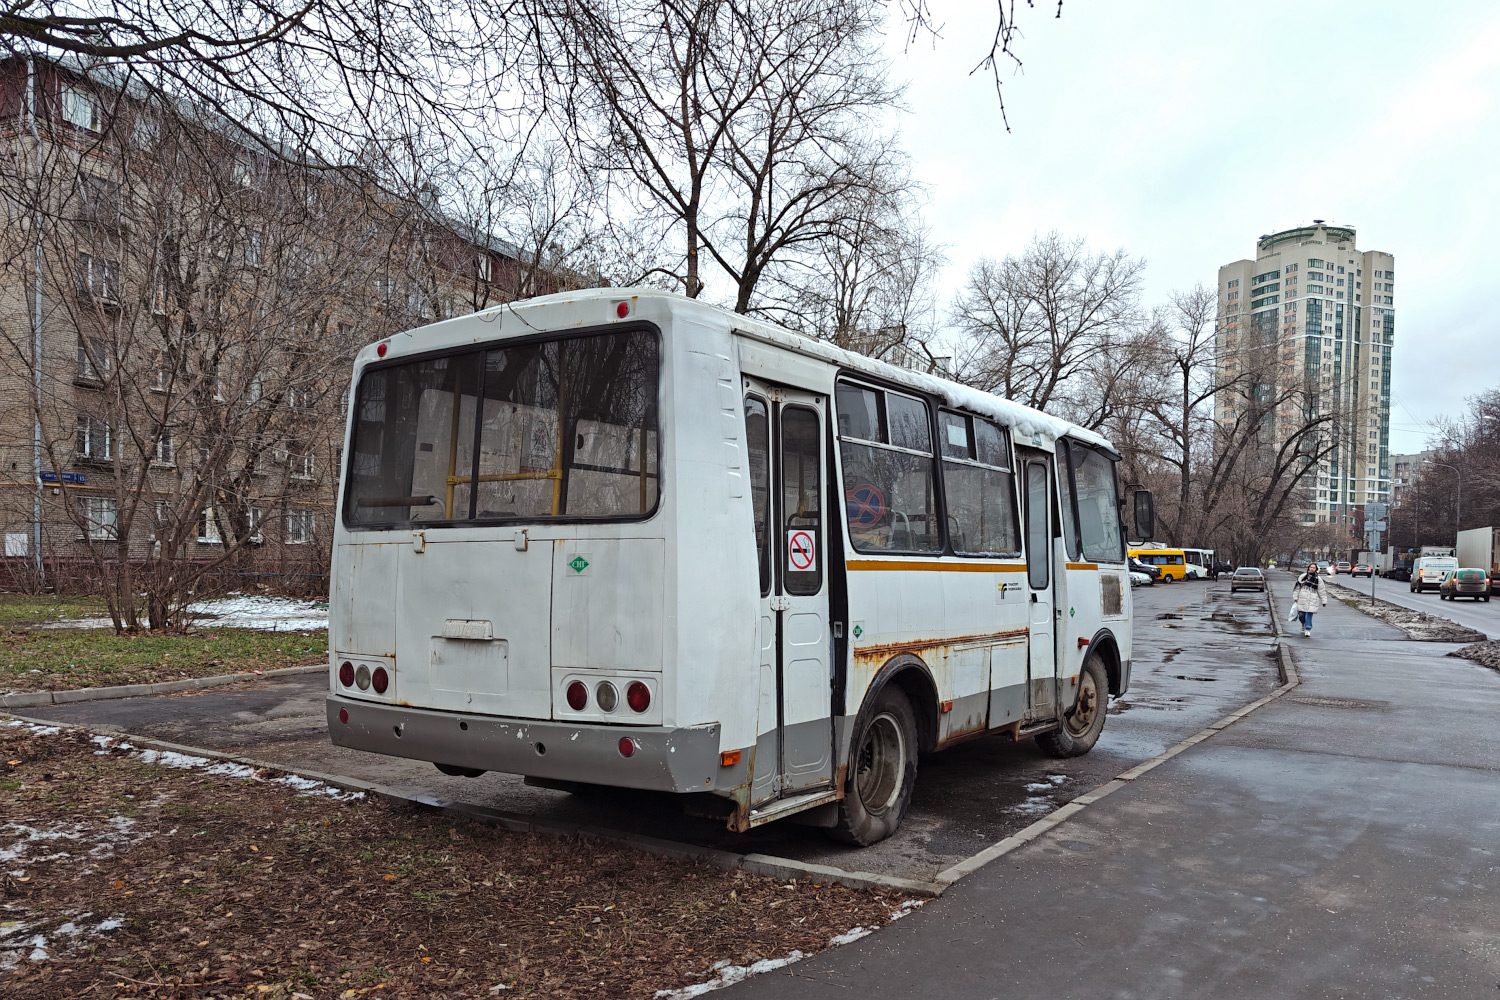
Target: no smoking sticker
[(800, 551)]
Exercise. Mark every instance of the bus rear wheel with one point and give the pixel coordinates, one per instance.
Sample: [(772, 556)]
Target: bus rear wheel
[(1081, 727), (882, 771)]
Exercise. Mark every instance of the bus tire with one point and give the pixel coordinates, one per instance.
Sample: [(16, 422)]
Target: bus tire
[(1081, 726), (882, 770)]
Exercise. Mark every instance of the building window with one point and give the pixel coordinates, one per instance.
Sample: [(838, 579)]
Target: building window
[(98, 515), (93, 438), (299, 527), (80, 108), (208, 528), (302, 459), (166, 454), (254, 255), (98, 277), (299, 398), (93, 360), (482, 266)]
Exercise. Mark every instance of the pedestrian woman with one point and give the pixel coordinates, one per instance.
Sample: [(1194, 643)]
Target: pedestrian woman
[(1308, 595)]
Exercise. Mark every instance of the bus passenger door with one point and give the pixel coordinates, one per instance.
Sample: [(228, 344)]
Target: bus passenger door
[(795, 637), (1036, 487)]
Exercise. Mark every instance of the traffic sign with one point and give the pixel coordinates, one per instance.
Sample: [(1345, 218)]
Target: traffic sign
[(1375, 541), (1375, 510), (1374, 525)]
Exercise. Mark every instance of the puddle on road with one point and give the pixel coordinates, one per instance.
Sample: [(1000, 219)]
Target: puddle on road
[(1168, 655), (1185, 677)]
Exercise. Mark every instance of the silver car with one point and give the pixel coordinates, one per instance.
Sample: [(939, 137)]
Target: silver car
[(1247, 578)]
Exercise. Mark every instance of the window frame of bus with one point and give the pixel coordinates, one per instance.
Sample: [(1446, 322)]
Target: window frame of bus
[(479, 350), (1072, 519), (972, 460), (867, 384)]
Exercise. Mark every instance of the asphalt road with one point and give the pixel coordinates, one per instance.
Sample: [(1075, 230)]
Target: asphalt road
[(1465, 611), (1200, 653)]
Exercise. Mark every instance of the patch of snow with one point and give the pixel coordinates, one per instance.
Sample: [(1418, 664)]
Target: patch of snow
[(170, 758), (35, 730), (907, 907), (267, 614), (851, 936), (41, 949)]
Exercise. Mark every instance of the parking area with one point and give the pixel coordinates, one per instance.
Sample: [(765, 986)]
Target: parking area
[(1200, 652)]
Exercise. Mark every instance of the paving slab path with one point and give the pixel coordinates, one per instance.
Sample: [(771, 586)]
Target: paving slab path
[(1343, 841)]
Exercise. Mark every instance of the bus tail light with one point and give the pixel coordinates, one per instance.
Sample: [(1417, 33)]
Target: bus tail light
[(578, 696), (627, 746), (606, 696), (638, 697), (380, 680), (346, 674)]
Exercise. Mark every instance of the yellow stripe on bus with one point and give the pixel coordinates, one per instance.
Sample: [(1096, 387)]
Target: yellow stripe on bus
[(934, 567), (1083, 565)]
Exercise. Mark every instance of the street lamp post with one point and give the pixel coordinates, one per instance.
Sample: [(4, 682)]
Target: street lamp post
[(1458, 501)]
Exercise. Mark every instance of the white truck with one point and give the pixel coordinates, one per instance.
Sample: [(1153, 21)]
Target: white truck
[(1479, 548)]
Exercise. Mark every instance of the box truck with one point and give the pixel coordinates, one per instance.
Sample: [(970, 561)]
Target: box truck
[(1479, 548)]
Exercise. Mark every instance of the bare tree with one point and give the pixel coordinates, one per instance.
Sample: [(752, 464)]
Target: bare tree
[(870, 285), (1036, 322), (743, 125)]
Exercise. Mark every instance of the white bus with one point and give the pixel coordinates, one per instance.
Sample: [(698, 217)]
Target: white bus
[(622, 537)]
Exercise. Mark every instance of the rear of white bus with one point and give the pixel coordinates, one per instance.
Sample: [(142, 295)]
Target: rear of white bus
[(503, 587)]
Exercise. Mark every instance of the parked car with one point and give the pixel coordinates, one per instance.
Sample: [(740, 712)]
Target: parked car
[(1140, 579), (1220, 567), (1247, 578), (1362, 569), (1342, 567), (1152, 573), (1473, 583)]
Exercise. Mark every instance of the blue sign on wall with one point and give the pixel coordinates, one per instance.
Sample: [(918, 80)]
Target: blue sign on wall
[(71, 478)]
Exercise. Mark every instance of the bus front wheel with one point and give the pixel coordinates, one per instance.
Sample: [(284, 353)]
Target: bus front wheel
[(882, 771), (1081, 727)]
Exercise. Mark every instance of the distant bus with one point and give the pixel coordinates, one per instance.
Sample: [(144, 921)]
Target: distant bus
[(1201, 558), (1172, 562), (621, 537)]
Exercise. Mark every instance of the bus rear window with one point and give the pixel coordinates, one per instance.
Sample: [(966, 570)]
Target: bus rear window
[(564, 428)]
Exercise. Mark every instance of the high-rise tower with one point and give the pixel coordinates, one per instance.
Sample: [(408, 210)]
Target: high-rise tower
[(1314, 313)]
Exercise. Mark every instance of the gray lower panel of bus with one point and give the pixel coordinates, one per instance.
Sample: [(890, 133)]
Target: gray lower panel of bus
[(668, 760)]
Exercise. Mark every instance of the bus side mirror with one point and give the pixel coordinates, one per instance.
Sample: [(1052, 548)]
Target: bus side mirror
[(1145, 515)]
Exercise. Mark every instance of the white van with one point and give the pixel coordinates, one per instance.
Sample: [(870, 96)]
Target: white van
[(1431, 571)]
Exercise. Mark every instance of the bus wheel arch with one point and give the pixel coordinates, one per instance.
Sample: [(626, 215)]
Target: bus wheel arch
[(1108, 649), (884, 743)]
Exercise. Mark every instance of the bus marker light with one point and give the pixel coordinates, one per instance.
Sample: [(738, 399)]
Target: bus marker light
[(380, 351), (1082, 642), (622, 310), (346, 674), (947, 707), (729, 758), (344, 716), (627, 746), (380, 680), (362, 677), (638, 696), (578, 696)]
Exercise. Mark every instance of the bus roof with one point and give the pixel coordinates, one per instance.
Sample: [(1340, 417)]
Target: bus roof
[(1026, 421)]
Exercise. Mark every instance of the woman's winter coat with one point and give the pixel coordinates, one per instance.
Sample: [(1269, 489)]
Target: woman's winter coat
[(1309, 596)]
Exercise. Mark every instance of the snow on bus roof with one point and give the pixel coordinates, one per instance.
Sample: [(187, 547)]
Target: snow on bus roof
[(1024, 419)]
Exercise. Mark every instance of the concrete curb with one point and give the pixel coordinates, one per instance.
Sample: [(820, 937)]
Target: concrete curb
[(30, 699), (757, 864)]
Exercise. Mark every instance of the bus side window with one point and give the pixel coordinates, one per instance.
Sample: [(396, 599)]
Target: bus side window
[(1068, 496), (801, 501), (758, 448)]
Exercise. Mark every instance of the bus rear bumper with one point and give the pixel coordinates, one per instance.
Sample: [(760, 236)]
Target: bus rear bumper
[(662, 759)]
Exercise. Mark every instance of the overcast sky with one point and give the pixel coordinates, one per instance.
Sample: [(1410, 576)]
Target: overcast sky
[(1182, 131)]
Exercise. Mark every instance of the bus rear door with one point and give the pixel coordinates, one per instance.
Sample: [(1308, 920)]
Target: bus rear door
[(786, 427)]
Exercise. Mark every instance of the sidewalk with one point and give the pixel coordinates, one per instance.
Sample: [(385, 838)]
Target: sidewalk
[(1343, 841)]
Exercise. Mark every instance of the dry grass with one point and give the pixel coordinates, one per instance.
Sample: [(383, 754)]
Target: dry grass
[(228, 886)]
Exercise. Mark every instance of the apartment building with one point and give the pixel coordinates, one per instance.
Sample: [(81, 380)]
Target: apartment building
[(1313, 317), (179, 309)]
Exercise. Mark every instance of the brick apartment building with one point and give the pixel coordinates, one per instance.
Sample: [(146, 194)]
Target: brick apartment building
[(196, 299)]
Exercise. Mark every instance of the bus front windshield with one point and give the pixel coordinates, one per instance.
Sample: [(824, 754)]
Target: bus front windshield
[(562, 428)]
